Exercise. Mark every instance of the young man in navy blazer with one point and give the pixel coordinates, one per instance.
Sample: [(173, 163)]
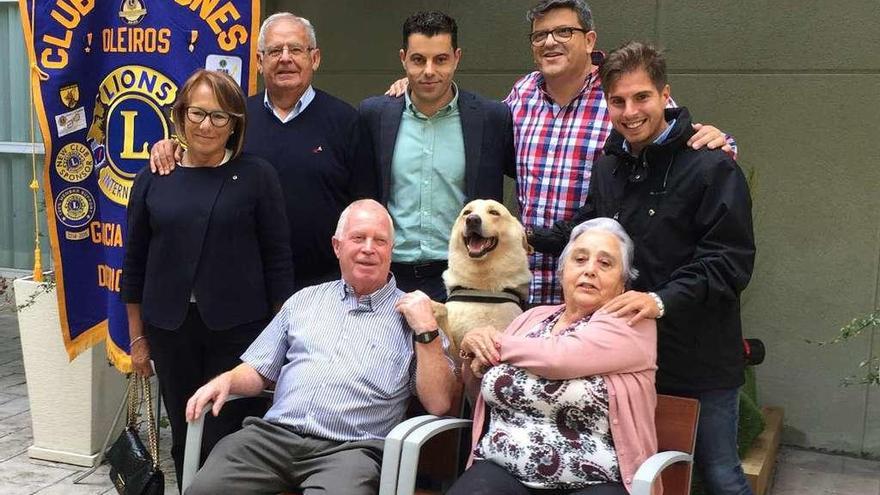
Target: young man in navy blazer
[(434, 149)]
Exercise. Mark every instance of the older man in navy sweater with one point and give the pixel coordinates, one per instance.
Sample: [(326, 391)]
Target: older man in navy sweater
[(309, 137)]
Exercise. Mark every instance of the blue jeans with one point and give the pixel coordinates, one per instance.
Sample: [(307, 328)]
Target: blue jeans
[(716, 457)]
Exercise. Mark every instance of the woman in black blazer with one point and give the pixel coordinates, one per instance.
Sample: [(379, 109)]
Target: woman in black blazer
[(207, 257)]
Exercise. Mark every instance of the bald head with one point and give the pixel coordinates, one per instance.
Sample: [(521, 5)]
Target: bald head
[(363, 242), (365, 204)]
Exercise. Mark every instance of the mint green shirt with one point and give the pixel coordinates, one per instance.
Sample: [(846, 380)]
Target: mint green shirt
[(427, 182)]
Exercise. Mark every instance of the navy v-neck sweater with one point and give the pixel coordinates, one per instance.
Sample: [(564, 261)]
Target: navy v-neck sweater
[(314, 155)]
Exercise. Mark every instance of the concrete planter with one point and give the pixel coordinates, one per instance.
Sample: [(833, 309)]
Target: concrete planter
[(72, 402)]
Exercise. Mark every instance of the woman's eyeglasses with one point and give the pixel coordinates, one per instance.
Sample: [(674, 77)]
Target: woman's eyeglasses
[(219, 118)]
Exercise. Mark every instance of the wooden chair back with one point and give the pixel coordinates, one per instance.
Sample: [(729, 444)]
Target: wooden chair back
[(676, 421)]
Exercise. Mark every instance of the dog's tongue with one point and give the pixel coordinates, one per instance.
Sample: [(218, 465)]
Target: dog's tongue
[(477, 243)]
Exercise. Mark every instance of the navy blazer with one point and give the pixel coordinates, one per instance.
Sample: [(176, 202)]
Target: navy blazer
[(218, 233), (488, 142)]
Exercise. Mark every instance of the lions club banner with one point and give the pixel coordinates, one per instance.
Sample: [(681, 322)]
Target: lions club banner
[(105, 74)]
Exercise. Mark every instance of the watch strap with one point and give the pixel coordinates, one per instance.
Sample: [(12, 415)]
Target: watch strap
[(426, 337)]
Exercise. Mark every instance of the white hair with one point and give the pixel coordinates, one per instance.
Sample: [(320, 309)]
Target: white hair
[(310, 30), (612, 227), (361, 203)]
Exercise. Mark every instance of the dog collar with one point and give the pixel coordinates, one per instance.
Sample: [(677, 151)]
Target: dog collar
[(463, 294)]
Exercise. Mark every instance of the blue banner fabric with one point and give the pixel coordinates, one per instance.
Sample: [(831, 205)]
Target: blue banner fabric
[(104, 76)]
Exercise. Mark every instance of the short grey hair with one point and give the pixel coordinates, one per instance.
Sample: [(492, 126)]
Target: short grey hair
[(310, 30), (611, 226), (580, 7), (361, 203)]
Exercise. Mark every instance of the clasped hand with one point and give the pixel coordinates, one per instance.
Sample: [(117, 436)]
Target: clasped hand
[(482, 346)]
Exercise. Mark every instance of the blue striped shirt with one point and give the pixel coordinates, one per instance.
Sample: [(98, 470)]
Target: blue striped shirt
[(344, 366)]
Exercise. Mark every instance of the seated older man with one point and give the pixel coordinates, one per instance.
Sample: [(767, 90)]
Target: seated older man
[(344, 358)]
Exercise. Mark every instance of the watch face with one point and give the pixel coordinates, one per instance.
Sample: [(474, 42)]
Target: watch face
[(427, 337)]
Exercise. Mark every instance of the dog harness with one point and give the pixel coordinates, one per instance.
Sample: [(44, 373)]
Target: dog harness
[(463, 294)]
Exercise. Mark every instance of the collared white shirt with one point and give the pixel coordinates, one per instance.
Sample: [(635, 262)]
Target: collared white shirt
[(298, 108)]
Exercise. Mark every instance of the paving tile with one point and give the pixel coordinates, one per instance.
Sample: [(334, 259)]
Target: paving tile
[(868, 467), (15, 443), (19, 390), (23, 472), (10, 355), (57, 465), (811, 460), (16, 366), (11, 380), (15, 422), (852, 485), (18, 489), (20, 420), (799, 491), (95, 484), (792, 478), (13, 407)]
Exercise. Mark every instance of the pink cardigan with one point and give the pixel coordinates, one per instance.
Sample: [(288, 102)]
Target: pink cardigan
[(625, 357)]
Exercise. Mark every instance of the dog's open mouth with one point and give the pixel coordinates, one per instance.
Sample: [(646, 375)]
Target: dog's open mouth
[(478, 245)]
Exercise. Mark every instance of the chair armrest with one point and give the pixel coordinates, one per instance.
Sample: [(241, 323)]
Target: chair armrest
[(412, 444), (193, 448), (651, 468), (392, 449)]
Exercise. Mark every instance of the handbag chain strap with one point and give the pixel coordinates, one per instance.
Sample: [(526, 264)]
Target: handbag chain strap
[(133, 400), (140, 390), (151, 430)]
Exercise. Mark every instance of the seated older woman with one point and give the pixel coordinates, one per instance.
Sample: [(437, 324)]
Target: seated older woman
[(568, 390)]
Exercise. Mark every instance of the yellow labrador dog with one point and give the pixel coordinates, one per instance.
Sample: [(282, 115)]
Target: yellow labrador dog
[(488, 275)]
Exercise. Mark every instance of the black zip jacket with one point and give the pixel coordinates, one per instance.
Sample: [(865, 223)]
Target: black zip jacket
[(689, 215)]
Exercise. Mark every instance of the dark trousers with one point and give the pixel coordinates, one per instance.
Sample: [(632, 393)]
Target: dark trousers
[(426, 277), (266, 458), (488, 478), (188, 357), (716, 458)]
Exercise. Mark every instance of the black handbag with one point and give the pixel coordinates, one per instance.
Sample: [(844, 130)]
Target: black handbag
[(134, 469)]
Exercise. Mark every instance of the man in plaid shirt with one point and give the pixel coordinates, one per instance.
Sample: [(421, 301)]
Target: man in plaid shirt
[(560, 122)]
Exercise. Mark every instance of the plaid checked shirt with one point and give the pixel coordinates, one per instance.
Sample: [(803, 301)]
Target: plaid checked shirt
[(555, 150)]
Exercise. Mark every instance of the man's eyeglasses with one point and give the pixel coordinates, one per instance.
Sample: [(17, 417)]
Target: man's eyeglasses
[(218, 118), (560, 34), (275, 52)]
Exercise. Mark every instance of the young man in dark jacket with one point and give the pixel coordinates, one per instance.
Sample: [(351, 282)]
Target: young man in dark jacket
[(689, 213)]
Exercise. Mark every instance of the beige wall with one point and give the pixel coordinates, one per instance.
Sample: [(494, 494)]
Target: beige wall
[(797, 83)]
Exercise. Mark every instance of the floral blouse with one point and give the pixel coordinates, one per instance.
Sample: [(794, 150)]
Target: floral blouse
[(548, 433)]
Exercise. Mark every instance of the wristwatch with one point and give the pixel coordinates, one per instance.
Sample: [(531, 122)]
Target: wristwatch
[(426, 337)]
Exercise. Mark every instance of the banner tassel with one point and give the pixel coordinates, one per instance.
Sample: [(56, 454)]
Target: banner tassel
[(35, 185)]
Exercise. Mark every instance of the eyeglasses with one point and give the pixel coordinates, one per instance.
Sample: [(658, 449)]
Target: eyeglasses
[(560, 34), (219, 118), (275, 52)]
